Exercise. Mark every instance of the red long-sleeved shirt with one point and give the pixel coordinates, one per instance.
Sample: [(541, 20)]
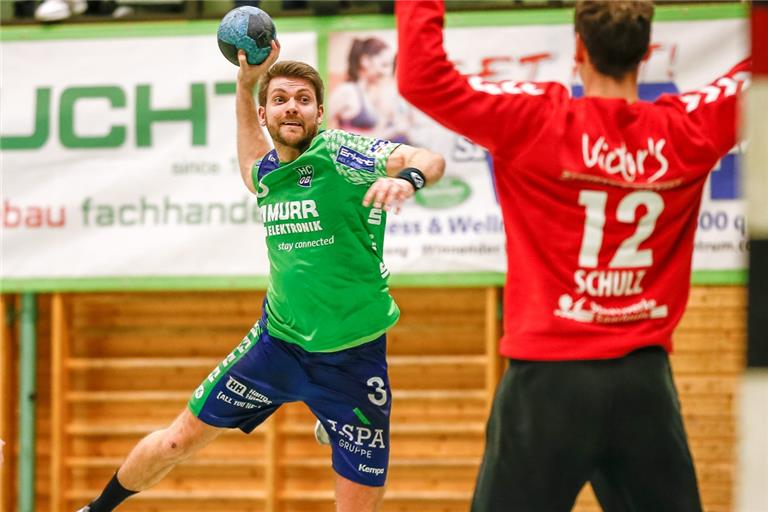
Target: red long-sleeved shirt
[(599, 196)]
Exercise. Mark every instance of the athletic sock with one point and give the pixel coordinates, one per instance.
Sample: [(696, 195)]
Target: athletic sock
[(112, 495)]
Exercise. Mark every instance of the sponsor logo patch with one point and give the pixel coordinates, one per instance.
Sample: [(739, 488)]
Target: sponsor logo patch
[(355, 160), (236, 386), (257, 397), (368, 469), (358, 436), (306, 172), (378, 146)]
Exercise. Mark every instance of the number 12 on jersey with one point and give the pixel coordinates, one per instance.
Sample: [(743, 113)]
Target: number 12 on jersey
[(627, 255)]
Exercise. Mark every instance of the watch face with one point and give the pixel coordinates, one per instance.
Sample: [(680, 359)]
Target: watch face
[(417, 180)]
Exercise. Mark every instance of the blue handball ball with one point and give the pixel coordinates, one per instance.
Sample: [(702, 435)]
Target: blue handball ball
[(246, 28)]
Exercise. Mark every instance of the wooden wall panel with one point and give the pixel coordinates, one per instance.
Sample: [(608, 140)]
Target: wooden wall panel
[(43, 406), (709, 359), (43, 402), (134, 361), (134, 358), (8, 391)]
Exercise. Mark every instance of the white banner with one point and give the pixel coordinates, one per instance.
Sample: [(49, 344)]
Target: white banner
[(457, 226), (136, 173), (119, 154)]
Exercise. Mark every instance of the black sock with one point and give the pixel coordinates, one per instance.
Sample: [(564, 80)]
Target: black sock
[(112, 495)]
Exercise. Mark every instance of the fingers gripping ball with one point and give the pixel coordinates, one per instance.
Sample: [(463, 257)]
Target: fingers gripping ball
[(246, 28)]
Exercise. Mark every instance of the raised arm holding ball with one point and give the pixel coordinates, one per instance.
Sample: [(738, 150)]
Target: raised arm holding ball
[(321, 338)]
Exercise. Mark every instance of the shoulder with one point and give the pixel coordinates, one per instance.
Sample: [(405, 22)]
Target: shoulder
[(336, 138), (356, 155), (265, 165)]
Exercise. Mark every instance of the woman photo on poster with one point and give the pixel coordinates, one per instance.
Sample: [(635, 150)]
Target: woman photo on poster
[(367, 103)]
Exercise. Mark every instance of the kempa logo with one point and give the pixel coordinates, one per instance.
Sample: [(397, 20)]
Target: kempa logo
[(305, 175), (368, 469)]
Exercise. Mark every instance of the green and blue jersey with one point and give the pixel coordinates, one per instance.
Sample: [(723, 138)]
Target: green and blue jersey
[(328, 286)]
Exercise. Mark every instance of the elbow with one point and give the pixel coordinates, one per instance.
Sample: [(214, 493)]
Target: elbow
[(408, 86), (439, 167), (408, 89), (246, 174), (246, 167), (426, 91)]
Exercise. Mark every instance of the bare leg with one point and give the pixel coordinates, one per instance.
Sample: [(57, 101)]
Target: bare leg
[(157, 454), (354, 497)]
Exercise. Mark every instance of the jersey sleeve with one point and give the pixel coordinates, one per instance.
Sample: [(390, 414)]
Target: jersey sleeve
[(263, 166), (714, 109), (358, 159), (496, 115)]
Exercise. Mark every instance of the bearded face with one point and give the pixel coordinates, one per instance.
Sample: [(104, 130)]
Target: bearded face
[(292, 114)]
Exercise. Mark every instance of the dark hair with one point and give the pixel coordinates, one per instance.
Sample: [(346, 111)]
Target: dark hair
[(291, 69), (360, 48), (615, 33)]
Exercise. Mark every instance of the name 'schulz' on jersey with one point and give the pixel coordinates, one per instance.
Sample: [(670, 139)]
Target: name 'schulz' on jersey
[(289, 211)]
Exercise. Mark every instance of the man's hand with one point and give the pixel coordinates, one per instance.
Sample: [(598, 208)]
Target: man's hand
[(388, 194), (249, 75)]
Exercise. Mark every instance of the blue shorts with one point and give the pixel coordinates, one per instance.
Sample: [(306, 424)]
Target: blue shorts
[(348, 391)]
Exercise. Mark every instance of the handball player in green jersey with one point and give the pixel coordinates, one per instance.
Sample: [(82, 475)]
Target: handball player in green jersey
[(323, 198)]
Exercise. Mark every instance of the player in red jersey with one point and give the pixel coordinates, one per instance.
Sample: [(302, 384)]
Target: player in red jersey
[(600, 198)]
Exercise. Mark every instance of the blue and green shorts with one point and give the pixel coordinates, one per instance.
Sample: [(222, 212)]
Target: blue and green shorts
[(348, 391)]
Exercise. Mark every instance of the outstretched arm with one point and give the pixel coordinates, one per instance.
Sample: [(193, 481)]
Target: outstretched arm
[(251, 142), (492, 114), (715, 107), (389, 193)]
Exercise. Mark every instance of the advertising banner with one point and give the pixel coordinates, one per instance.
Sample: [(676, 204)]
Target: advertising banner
[(119, 157), (457, 226)]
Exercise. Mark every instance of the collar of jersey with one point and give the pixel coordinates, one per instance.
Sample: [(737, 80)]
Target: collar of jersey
[(282, 165)]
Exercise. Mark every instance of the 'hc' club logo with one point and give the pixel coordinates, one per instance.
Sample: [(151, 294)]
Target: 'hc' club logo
[(305, 175)]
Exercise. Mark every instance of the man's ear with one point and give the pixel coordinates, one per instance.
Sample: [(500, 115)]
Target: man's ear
[(320, 112), (580, 55), (261, 112)]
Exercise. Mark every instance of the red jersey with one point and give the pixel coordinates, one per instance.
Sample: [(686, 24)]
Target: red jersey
[(600, 196)]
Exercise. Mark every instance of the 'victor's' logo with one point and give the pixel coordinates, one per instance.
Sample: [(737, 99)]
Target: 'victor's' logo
[(628, 164)]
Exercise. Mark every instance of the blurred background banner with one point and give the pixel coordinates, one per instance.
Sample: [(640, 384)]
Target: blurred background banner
[(119, 159), (456, 226), (118, 155)]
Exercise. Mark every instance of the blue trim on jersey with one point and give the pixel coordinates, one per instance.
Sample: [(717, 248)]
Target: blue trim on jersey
[(269, 163)]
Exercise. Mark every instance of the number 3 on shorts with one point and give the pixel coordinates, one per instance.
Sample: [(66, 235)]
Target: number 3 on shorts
[(379, 395)]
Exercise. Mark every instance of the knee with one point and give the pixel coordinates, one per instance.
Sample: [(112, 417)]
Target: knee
[(174, 446)]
